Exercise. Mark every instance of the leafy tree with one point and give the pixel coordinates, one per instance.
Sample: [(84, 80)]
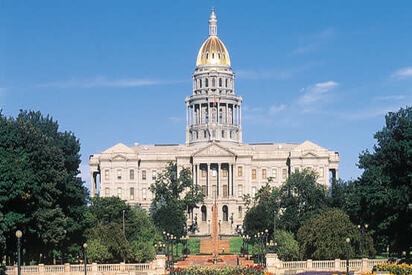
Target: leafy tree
[(174, 193), (287, 247), (97, 252), (323, 236), (105, 222), (301, 197), (384, 190), (40, 190)]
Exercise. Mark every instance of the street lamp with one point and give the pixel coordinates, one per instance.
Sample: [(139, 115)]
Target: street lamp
[(347, 255), (19, 234), (362, 229), (124, 231), (85, 257)]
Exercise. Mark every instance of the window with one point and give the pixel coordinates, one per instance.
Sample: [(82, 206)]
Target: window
[(143, 174), (107, 192), (213, 55), (240, 190), (225, 213), (240, 171), (204, 190), (263, 173), (106, 174), (207, 82), (274, 173), (225, 191), (119, 192), (220, 82), (214, 172), (213, 82), (224, 173), (253, 174), (131, 193), (204, 132), (203, 173), (226, 83), (131, 174), (207, 55), (153, 174), (200, 83), (321, 172), (119, 174), (223, 133), (239, 212), (144, 194), (204, 213), (253, 191), (284, 173)]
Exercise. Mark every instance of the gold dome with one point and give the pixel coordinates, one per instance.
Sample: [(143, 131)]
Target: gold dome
[(213, 52)]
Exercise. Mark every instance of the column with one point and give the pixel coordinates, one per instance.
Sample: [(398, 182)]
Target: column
[(229, 178), (227, 111), (231, 169), (92, 184), (240, 115), (200, 113), (208, 110), (187, 115), (217, 180), (207, 179), (197, 174)]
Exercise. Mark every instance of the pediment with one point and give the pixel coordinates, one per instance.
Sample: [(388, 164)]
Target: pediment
[(119, 157), (308, 146), (119, 148), (214, 150), (310, 155)]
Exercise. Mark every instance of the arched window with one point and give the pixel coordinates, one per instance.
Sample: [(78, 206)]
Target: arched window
[(220, 82), (213, 55), (207, 82), (213, 82), (207, 55), (200, 83), (225, 83), (225, 213), (204, 213)]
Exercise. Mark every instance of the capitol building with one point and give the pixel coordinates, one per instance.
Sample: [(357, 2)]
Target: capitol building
[(222, 165)]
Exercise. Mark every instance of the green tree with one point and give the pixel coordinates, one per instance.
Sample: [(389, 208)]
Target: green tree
[(384, 189), (174, 193), (40, 190), (105, 222), (301, 197), (323, 236), (287, 247)]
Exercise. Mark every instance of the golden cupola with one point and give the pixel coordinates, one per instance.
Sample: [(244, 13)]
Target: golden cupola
[(213, 51)]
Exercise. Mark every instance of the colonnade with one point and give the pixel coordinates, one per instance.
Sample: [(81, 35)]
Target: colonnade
[(215, 179)]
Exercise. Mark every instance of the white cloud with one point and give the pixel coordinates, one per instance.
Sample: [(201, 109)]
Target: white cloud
[(403, 73), (276, 109), (104, 82), (175, 119), (314, 41), (314, 93)]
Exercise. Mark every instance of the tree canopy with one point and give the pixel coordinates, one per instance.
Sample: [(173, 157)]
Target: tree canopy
[(174, 193), (40, 190)]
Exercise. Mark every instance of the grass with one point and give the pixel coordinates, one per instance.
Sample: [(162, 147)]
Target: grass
[(236, 245)]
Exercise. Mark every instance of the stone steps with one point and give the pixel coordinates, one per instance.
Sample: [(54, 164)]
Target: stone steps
[(206, 246)]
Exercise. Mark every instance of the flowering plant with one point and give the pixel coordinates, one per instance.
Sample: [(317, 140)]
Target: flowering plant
[(228, 270), (397, 269)]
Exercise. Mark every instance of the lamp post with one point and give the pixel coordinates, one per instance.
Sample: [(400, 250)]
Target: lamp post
[(362, 229), (19, 234), (167, 239), (85, 257), (347, 255), (272, 246), (124, 231)]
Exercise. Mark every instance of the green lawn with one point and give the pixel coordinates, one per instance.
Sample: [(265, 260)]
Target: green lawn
[(236, 244)]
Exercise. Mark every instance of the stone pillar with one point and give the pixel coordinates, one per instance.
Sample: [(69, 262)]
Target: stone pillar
[(309, 264), (208, 111), (207, 179), (273, 264), (240, 115), (217, 180), (94, 269), (337, 264), (92, 184), (227, 112), (66, 268), (122, 266), (197, 174), (365, 268), (41, 269), (159, 265), (187, 115)]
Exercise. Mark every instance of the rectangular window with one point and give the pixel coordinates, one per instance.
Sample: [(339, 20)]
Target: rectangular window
[(204, 190), (106, 174), (131, 174), (144, 195), (119, 192), (203, 173), (119, 174), (274, 173), (224, 172), (239, 212), (240, 191), (321, 172), (253, 174), (284, 173), (107, 192), (131, 193), (143, 174), (240, 171), (225, 191), (253, 191), (263, 173), (153, 174)]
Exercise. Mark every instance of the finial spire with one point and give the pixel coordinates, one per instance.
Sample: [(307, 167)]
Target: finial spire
[(213, 23)]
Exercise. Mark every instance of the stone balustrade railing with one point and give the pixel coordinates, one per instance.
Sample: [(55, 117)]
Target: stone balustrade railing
[(276, 266), (153, 268)]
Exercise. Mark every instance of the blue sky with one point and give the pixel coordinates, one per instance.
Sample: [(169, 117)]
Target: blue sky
[(118, 71)]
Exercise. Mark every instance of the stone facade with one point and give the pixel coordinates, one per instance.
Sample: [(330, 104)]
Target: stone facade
[(221, 164)]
